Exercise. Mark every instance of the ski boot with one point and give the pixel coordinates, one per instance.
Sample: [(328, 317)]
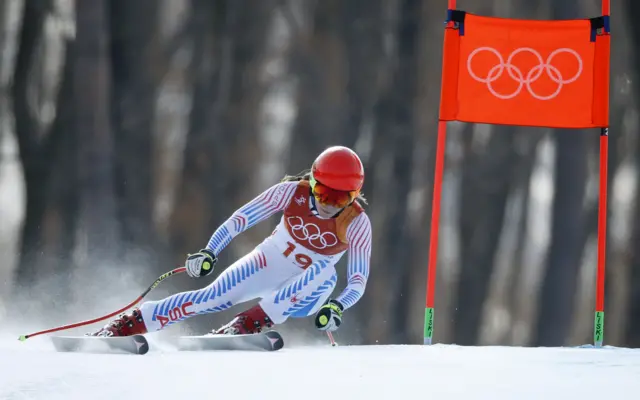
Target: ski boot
[(124, 325), (247, 322)]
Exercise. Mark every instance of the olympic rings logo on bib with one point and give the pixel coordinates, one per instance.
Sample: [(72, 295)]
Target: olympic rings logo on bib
[(519, 77), (311, 233)]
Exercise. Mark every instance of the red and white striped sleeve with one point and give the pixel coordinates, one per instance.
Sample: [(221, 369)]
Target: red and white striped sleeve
[(359, 238), (269, 202)]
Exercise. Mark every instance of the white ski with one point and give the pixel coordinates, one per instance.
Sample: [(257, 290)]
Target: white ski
[(266, 341), (136, 344)]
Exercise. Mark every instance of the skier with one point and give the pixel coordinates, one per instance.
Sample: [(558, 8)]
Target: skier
[(292, 271)]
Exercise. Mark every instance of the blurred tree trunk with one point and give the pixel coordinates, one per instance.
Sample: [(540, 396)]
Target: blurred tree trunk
[(191, 220), (632, 332), (529, 142), (557, 294), (5, 62), (134, 28), (364, 33), (339, 63), (92, 95), (486, 183), (395, 112), (319, 61), (4, 31), (33, 151), (61, 218), (617, 255), (558, 290), (47, 157)]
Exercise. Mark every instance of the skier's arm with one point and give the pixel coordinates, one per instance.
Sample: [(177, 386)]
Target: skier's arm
[(260, 208), (359, 237)]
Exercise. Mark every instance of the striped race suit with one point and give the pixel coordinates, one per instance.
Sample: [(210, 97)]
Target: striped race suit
[(292, 271)]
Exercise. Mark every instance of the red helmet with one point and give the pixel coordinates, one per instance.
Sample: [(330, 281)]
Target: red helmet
[(339, 168)]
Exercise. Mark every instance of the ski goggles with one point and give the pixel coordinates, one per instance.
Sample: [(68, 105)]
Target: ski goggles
[(331, 197)]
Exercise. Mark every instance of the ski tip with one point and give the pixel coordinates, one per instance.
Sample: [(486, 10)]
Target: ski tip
[(22, 338)]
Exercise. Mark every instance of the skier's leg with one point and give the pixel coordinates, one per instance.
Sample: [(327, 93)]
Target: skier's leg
[(302, 295), (248, 278)]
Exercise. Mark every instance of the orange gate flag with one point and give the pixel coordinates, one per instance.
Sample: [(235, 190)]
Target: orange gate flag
[(526, 72)]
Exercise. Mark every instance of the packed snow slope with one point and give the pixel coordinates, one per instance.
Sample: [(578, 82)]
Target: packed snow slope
[(33, 370)]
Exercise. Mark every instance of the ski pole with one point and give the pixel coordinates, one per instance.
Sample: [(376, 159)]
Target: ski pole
[(161, 278), (333, 342)]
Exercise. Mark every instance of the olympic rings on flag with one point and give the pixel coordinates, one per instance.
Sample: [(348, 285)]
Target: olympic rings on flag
[(517, 75)]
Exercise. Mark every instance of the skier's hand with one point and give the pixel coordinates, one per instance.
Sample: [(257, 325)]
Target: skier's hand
[(200, 263), (329, 317)]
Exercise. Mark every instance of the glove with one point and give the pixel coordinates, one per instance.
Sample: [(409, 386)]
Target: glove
[(201, 263), (329, 317)]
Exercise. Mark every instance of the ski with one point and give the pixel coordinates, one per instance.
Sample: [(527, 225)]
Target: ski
[(267, 341), (136, 344)]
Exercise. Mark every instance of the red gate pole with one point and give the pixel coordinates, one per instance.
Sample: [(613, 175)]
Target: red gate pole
[(435, 223), (598, 325)]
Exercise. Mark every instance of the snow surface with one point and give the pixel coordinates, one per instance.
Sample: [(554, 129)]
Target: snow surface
[(33, 370)]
